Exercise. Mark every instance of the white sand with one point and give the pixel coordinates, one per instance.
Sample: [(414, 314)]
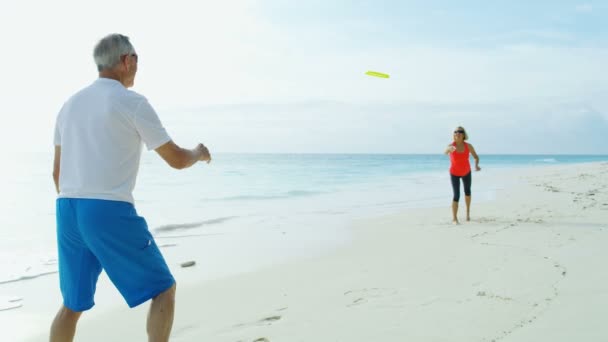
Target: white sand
[(529, 267)]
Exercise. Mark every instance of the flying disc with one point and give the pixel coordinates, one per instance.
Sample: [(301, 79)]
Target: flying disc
[(377, 74)]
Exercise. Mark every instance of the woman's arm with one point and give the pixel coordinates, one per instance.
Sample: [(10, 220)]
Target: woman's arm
[(449, 149), (475, 156)]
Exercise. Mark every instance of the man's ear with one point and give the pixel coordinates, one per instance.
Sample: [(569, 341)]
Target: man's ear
[(124, 65)]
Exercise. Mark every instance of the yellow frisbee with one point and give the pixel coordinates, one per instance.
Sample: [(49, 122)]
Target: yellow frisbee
[(377, 74)]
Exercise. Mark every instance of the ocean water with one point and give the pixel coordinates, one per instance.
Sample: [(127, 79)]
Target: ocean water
[(203, 210)]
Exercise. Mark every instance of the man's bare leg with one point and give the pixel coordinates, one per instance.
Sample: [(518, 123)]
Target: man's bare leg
[(467, 199), (160, 316), (454, 212), (64, 325)]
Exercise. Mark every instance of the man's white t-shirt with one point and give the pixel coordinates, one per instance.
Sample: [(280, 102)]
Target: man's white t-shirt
[(100, 130)]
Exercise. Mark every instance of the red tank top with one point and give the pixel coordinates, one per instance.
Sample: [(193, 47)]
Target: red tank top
[(460, 165)]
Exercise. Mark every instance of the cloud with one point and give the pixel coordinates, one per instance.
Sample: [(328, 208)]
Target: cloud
[(530, 127), (540, 37), (197, 54)]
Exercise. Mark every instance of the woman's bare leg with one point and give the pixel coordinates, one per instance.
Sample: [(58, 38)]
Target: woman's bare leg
[(454, 212), (467, 200)]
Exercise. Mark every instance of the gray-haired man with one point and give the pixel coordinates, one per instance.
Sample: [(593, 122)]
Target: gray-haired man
[(98, 139)]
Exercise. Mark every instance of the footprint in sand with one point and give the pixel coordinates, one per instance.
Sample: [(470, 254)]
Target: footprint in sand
[(493, 296), (270, 319), (264, 321), (365, 295), (358, 301), (484, 219)]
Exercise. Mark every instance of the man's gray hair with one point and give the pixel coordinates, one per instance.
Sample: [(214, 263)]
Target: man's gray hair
[(110, 48)]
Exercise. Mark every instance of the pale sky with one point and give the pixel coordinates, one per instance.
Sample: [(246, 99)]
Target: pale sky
[(287, 76)]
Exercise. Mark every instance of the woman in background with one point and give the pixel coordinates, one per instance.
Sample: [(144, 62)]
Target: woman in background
[(460, 168)]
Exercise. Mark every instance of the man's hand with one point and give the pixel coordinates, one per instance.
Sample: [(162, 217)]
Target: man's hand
[(204, 151), (181, 158)]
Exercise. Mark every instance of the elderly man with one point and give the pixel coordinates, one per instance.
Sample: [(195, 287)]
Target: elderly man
[(98, 141)]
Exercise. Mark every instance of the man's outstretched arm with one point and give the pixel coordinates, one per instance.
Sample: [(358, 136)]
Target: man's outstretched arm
[(181, 158)]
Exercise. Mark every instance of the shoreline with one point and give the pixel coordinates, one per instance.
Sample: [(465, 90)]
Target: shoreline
[(524, 269)]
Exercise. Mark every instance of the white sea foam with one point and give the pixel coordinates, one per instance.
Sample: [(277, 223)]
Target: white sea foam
[(27, 275), (31, 272), (546, 160), (10, 303)]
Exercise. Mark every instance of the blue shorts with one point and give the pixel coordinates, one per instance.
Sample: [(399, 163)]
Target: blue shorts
[(98, 234)]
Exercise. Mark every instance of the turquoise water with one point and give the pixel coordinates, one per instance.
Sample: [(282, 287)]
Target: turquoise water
[(251, 177), (242, 193), (292, 186)]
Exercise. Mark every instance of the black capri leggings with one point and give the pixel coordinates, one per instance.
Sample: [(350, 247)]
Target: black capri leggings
[(466, 181)]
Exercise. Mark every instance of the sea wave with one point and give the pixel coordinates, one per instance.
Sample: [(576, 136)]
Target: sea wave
[(180, 236), (288, 194), (10, 303), (27, 276), (21, 267), (192, 225), (546, 160)]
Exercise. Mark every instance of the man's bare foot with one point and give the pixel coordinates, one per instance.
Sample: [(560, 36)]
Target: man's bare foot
[(455, 222)]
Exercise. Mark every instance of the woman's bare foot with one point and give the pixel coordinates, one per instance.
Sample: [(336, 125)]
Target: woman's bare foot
[(455, 222)]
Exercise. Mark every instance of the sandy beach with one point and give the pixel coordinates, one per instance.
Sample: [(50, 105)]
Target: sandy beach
[(528, 267)]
